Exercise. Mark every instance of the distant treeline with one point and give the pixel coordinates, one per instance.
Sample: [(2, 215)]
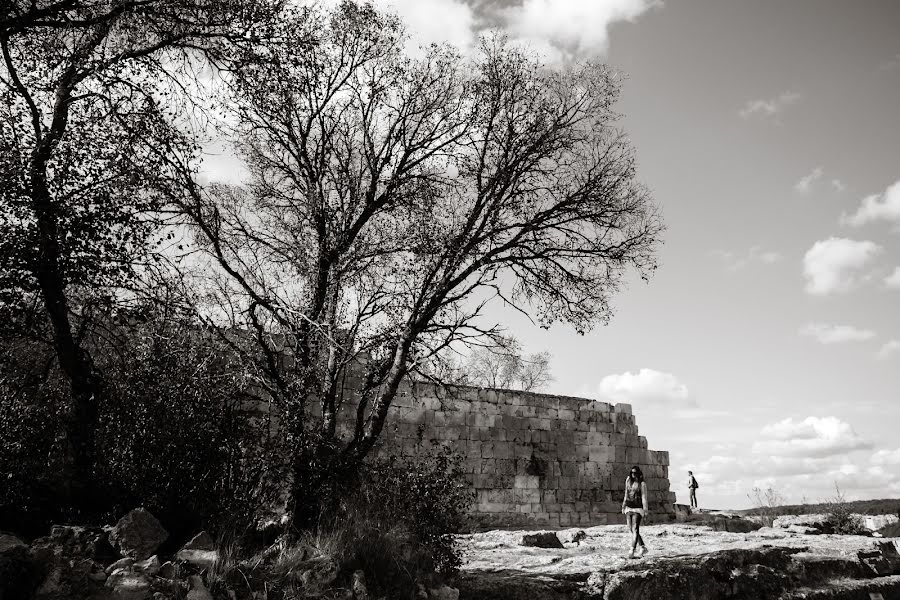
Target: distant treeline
[(883, 506)]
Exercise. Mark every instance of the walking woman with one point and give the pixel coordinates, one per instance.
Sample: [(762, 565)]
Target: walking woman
[(634, 507)]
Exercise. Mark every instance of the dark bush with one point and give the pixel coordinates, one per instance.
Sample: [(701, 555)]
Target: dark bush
[(397, 522), (172, 434)]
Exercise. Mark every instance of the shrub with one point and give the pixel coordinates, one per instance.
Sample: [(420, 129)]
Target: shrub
[(765, 504), (396, 521), (171, 436), (31, 453), (841, 516)]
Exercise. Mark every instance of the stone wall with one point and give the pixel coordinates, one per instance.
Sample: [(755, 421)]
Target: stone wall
[(532, 459)]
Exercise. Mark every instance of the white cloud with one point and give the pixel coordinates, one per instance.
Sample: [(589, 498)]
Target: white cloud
[(647, 386), (886, 457), (893, 280), (805, 184), (556, 28), (811, 437), (832, 265), (735, 262), (570, 27), (877, 207), (769, 108), (838, 185), (888, 349), (836, 334), (435, 21)]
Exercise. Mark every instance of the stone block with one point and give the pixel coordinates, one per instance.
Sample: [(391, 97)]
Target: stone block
[(601, 454), (622, 408), (487, 465), (527, 482)]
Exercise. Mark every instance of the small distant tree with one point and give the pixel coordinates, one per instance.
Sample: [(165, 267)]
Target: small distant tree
[(505, 367), (840, 514), (766, 503)]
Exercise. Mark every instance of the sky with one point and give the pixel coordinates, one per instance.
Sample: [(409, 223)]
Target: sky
[(765, 351)]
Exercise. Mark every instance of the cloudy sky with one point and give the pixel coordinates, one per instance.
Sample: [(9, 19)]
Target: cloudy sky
[(766, 349)]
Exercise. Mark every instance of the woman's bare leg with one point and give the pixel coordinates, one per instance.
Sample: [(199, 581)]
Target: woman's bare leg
[(638, 540)]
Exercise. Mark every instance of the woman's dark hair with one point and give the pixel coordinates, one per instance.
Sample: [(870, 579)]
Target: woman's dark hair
[(636, 474)]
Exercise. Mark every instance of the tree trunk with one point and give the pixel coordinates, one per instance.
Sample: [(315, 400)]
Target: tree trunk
[(75, 363)]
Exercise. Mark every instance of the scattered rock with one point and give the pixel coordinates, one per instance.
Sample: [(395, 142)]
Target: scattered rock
[(890, 531), (358, 586), (199, 558), (200, 551), (198, 590), (201, 541), (882, 560), (168, 570), (126, 584), (878, 522), (817, 521), (138, 534), (682, 512), (541, 539), (149, 567), (122, 563), (571, 536)]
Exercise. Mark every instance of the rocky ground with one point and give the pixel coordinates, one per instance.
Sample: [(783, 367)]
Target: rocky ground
[(713, 556), (685, 561)]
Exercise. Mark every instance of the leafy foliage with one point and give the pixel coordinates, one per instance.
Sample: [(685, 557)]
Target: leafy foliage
[(397, 519), (389, 198), (840, 515), (172, 433)]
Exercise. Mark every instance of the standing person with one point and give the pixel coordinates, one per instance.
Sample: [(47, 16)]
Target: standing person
[(634, 507), (692, 486)]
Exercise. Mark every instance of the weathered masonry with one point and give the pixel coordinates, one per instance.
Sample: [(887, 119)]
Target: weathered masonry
[(533, 459)]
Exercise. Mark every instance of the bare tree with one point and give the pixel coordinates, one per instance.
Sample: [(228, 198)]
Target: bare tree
[(391, 198), (87, 134), (503, 366)]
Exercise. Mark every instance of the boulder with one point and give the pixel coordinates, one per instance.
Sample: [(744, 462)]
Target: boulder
[(541, 539), (198, 590), (883, 559), (168, 570), (138, 534), (571, 536), (682, 512), (149, 567), (890, 531), (125, 584), (445, 592), (816, 521), (200, 551), (201, 541), (76, 541), (199, 558), (878, 522), (122, 563)]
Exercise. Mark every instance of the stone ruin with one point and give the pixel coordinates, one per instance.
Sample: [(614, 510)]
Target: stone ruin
[(532, 459)]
